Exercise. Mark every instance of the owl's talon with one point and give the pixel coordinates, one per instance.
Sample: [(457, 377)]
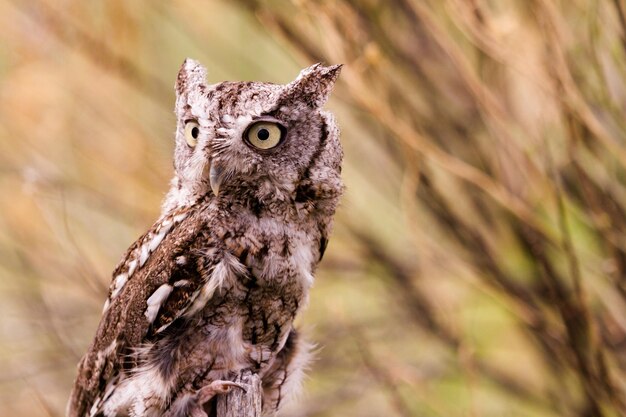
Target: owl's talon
[(207, 392)]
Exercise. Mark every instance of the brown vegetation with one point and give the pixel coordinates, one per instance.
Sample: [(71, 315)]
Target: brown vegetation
[(479, 262)]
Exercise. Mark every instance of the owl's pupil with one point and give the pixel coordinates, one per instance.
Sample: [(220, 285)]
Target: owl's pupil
[(195, 132), (263, 134)]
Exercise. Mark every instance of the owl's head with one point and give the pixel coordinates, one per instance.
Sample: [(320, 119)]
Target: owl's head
[(254, 143)]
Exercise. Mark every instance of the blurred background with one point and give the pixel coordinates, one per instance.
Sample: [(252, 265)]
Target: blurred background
[(478, 264)]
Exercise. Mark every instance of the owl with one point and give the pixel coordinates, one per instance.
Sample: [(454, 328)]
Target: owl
[(212, 289)]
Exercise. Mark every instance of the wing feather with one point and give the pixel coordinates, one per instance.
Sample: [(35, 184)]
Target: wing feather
[(125, 326)]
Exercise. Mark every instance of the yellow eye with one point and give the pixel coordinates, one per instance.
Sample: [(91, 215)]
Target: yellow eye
[(192, 131), (264, 135)]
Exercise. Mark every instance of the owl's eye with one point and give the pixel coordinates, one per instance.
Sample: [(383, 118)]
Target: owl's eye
[(264, 134), (192, 131)]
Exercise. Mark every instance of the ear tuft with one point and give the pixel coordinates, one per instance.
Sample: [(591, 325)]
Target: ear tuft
[(190, 75), (314, 84)]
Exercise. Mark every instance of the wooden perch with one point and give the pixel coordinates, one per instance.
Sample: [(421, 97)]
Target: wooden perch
[(239, 403)]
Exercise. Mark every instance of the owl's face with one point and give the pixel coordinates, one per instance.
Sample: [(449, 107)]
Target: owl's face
[(255, 143)]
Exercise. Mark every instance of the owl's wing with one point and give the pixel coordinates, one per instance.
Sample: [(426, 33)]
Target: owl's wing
[(158, 284)]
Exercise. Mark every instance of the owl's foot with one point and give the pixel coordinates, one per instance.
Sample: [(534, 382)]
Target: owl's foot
[(193, 404), (204, 394)]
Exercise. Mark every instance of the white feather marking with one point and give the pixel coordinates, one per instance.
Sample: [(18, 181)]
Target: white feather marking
[(118, 284), (227, 269), (302, 258), (143, 257), (155, 301), (109, 349), (156, 241), (107, 303), (142, 394), (179, 217), (208, 289), (227, 118), (181, 283), (131, 267), (150, 246), (94, 408), (181, 260), (119, 401), (165, 326), (166, 227)]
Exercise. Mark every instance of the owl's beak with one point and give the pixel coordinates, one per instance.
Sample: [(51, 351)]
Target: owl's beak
[(216, 176)]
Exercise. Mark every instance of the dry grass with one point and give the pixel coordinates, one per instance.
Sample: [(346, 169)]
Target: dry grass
[(479, 262)]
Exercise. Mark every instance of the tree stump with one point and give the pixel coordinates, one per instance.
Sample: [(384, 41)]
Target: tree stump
[(238, 403)]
